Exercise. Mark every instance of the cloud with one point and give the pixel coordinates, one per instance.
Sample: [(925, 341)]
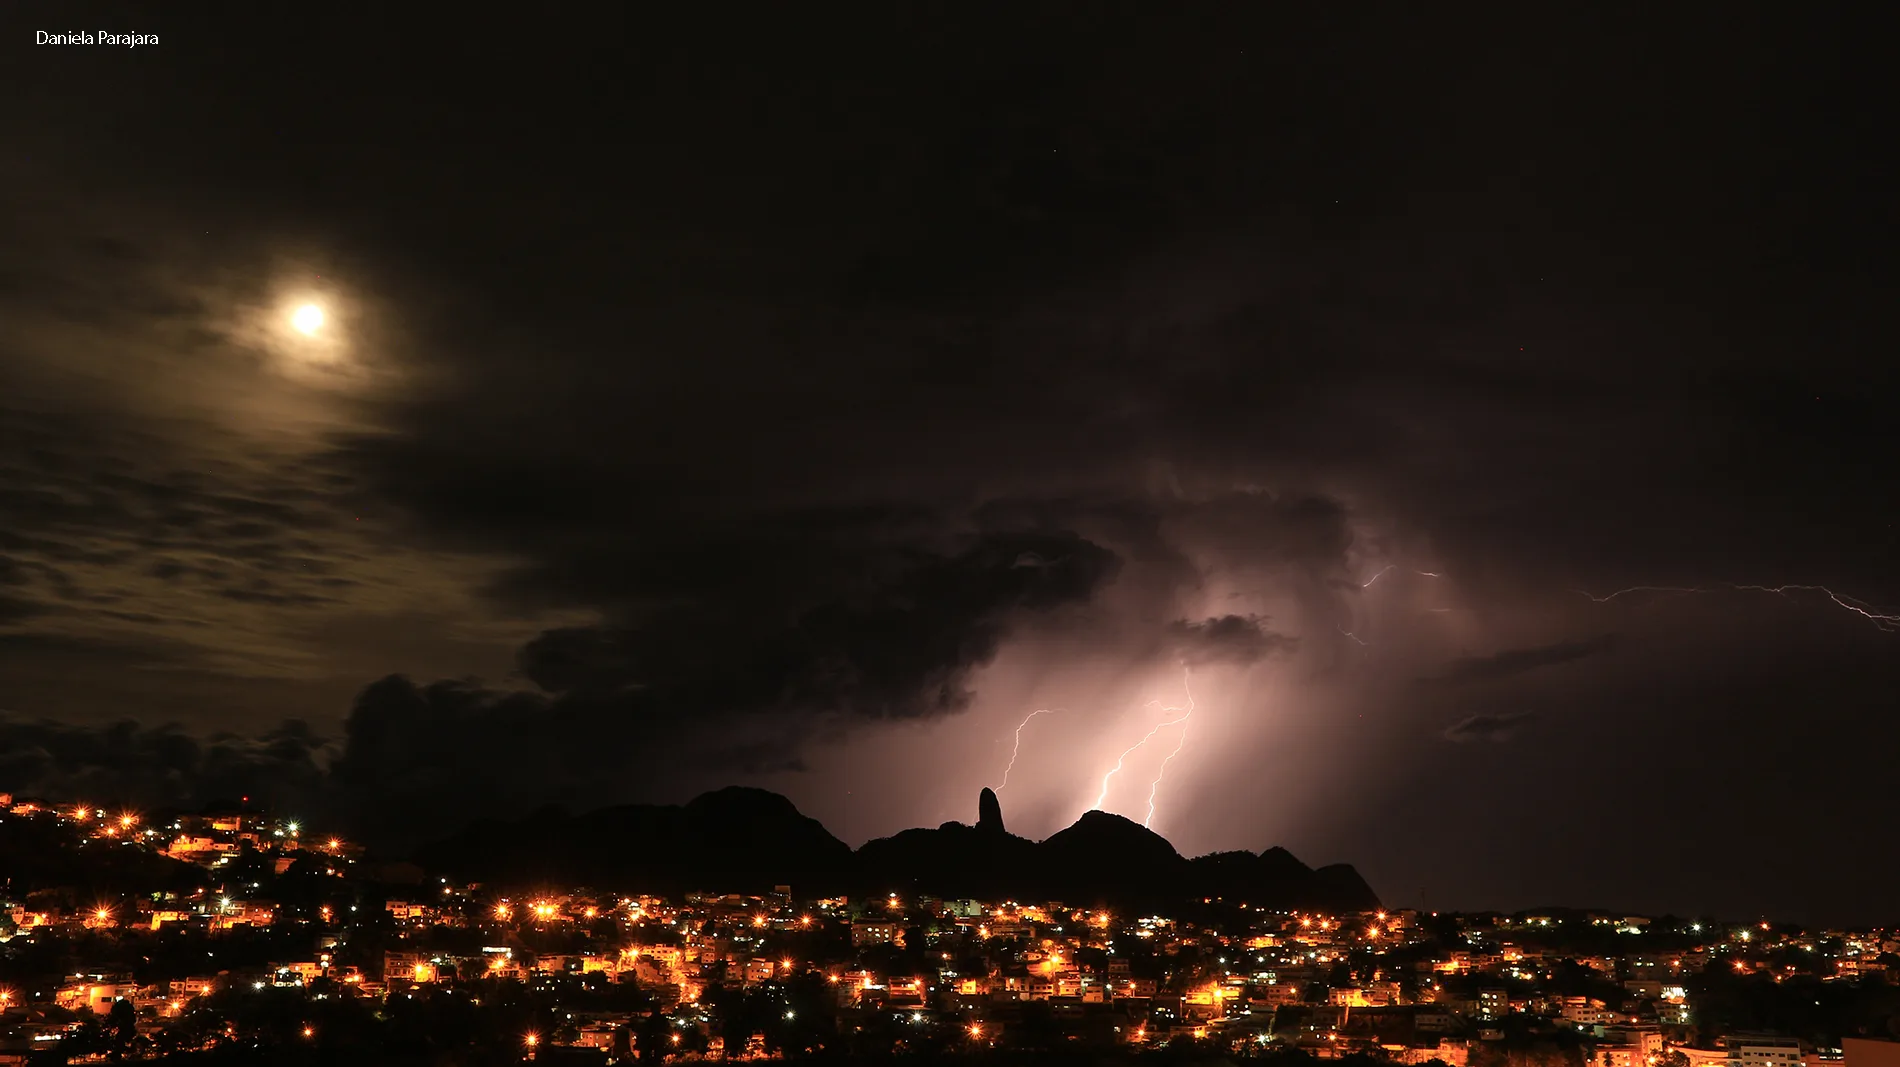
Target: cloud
[(900, 646), (714, 686), (1235, 639), (124, 762), (740, 508), (1522, 660), (15, 609), (1487, 727)]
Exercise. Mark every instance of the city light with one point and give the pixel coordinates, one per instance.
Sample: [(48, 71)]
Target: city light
[(1049, 952)]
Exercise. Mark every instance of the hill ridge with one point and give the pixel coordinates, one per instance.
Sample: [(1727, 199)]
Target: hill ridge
[(742, 839)]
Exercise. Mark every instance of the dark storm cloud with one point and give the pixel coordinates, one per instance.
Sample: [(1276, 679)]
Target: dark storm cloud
[(164, 765), (720, 686), (1522, 660), (900, 646), (1236, 639), (759, 413), (1487, 727)]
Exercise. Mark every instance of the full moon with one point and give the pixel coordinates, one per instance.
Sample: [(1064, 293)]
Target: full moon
[(307, 319)]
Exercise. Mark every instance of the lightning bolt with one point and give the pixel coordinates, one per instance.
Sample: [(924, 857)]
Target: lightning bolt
[(1389, 568), (1367, 584), (1885, 621), (1017, 751), (1179, 743), (1146, 737)]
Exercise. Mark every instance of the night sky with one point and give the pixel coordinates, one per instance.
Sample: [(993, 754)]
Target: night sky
[(802, 399)]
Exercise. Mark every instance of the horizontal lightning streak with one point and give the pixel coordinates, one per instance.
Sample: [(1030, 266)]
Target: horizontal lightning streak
[(1389, 568), (1887, 622)]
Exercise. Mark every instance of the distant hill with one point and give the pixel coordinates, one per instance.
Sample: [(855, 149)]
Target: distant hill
[(748, 840), (732, 840), (41, 853)]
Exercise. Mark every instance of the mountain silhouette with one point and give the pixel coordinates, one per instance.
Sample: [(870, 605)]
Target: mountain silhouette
[(989, 811), (732, 840), (748, 840)]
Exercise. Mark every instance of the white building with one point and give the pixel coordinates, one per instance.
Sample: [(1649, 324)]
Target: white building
[(1763, 1050)]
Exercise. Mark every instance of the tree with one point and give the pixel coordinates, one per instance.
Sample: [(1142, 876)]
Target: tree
[(122, 1023), (654, 1039)]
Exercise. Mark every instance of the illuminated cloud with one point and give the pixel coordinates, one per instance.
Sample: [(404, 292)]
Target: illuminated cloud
[(1232, 639)]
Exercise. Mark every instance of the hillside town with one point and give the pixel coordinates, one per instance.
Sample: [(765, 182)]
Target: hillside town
[(144, 939)]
